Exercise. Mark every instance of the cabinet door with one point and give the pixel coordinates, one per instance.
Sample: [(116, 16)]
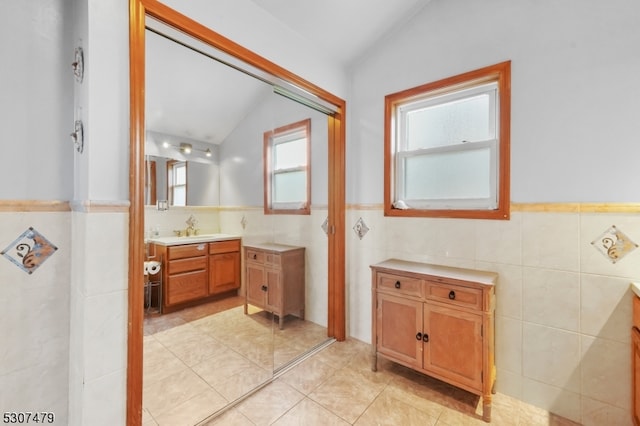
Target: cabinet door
[(274, 291), (224, 272), (454, 347), (186, 286), (398, 322), (256, 285), (636, 375)]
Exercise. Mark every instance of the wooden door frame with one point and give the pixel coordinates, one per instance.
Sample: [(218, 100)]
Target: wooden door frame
[(138, 10)]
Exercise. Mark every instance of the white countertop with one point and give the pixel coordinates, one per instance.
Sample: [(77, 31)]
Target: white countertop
[(636, 288), (194, 239)]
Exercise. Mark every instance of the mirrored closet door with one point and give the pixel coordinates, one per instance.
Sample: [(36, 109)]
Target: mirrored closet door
[(239, 165)]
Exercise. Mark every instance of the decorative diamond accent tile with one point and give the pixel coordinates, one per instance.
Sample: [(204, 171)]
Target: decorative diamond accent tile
[(29, 250), (325, 226), (360, 228), (614, 244)]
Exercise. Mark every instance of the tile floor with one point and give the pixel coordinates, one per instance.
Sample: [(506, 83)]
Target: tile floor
[(186, 379)]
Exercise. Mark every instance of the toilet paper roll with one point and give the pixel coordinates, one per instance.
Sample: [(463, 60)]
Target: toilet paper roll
[(152, 267)]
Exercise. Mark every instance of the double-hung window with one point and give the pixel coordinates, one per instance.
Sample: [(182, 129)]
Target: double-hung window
[(447, 147), (287, 170), (177, 182)]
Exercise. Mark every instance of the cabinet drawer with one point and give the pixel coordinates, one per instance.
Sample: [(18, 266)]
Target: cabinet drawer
[(272, 259), (186, 265), (455, 295), (188, 250), (256, 256), (399, 284), (185, 287), (224, 246)]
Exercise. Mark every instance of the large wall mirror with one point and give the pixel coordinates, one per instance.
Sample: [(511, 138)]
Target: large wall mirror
[(205, 116)]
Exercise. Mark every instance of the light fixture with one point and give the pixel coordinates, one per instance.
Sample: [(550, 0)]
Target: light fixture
[(186, 148)]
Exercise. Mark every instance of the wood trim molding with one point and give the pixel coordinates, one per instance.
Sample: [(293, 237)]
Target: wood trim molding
[(49, 206), (619, 208), (138, 10), (92, 206), (136, 215)]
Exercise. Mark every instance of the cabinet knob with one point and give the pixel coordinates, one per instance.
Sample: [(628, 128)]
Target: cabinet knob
[(255, 256), (264, 288), (425, 338), (419, 336), (452, 295), (397, 284)]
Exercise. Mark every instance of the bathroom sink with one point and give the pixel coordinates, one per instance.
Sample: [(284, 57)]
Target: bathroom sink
[(200, 238)]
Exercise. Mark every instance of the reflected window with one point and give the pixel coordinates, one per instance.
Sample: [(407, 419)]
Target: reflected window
[(177, 182), (287, 169)]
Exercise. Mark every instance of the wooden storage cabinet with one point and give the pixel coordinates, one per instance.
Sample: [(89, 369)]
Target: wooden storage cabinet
[(436, 320), (635, 361), (195, 273), (275, 279)]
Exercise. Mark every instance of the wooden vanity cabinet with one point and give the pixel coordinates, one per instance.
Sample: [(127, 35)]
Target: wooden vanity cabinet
[(436, 320), (224, 266), (196, 273), (275, 279)]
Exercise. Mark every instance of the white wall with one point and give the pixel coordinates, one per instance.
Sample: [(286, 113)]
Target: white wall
[(564, 310), (36, 116), (241, 165), (574, 91), (35, 121)]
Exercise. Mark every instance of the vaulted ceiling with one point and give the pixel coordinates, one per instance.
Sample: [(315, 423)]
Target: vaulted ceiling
[(190, 95)]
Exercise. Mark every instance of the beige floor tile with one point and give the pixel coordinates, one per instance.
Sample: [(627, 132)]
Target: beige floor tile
[(275, 399), (388, 411), (166, 394), (221, 366), (240, 384), (347, 394), (147, 419), (159, 363), (309, 413), (194, 410), (308, 375), (230, 418)]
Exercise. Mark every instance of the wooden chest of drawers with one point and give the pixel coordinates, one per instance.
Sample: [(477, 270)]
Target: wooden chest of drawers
[(275, 279), (436, 320)]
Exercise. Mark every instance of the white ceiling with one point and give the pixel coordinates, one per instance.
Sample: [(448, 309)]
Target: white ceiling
[(346, 29), (190, 95)]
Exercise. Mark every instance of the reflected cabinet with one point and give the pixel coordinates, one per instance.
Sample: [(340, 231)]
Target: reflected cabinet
[(438, 321), (197, 273), (275, 279)]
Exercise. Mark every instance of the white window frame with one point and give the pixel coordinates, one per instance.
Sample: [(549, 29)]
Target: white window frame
[(402, 152)]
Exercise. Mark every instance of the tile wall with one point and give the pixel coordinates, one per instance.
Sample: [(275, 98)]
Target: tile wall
[(563, 313), (34, 325)]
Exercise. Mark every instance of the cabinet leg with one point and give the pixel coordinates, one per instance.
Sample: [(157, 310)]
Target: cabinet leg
[(374, 361), (281, 321), (486, 410), (246, 311)]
